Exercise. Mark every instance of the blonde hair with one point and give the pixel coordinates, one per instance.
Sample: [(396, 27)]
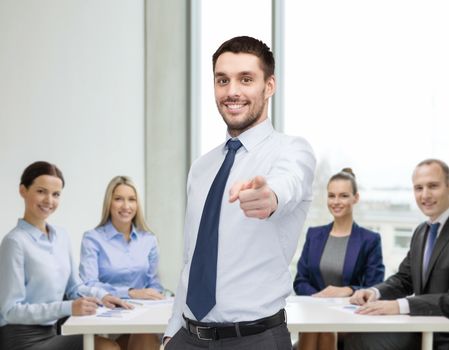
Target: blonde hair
[(138, 220)]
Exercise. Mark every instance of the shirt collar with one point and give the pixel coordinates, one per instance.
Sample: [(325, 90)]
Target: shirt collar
[(35, 233), (253, 136), (441, 219), (111, 232)]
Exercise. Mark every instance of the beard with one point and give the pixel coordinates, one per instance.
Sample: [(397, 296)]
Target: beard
[(237, 125)]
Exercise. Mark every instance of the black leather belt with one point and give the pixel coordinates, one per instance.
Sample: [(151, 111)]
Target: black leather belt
[(215, 331)]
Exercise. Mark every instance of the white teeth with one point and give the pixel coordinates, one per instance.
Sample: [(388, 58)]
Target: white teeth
[(234, 106)]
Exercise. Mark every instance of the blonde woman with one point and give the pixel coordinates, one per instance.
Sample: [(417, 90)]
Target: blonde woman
[(121, 255)]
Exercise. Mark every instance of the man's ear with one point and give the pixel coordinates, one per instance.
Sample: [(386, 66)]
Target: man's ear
[(270, 86)]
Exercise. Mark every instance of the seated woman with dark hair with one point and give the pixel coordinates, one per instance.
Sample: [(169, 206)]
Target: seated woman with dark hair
[(337, 258), (37, 271)]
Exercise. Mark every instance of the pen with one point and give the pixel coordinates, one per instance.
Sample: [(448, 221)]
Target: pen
[(85, 296), (134, 302)]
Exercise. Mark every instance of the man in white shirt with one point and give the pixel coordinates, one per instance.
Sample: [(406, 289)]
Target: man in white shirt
[(262, 210), (423, 275)]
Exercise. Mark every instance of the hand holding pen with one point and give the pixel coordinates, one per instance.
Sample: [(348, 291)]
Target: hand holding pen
[(85, 305)]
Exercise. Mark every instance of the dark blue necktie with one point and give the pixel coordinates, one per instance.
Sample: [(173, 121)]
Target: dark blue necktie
[(431, 238), (203, 269)]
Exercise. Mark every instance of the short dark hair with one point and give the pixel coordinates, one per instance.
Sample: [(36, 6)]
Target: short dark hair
[(37, 169), (247, 44), (442, 165), (348, 175)]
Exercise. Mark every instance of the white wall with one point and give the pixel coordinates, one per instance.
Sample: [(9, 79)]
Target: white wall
[(72, 93), (167, 126)]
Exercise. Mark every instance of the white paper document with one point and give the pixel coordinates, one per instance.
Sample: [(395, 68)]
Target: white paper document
[(116, 313), (349, 308), (149, 303)]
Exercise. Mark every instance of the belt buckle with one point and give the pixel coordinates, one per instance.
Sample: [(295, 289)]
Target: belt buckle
[(198, 332)]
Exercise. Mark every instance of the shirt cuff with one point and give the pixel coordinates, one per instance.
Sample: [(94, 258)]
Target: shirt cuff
[(122, 292), (66, 307), (404, 306), (99, 292), (280, 198), (376, 292)]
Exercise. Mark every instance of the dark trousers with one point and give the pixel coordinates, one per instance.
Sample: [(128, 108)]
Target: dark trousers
[(383, 341), (271, 339), (35, 337), (393, 341)]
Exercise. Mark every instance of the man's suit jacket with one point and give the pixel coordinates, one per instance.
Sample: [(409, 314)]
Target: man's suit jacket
[(408, 280), (363, 265)]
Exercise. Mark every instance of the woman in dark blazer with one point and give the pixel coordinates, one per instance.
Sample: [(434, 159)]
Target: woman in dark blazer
[(338, 258)]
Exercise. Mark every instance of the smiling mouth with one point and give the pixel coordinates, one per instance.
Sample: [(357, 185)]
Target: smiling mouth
[(337, 209), (234, 106), (428, 205), (125, 214), (45, 209)]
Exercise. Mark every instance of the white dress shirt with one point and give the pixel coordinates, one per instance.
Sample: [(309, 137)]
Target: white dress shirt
[(253, 278)]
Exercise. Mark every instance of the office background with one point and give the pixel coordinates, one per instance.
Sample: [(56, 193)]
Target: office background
[(110, 87)]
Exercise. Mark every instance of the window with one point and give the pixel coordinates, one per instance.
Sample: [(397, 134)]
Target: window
[(367, 83), (402, 237)]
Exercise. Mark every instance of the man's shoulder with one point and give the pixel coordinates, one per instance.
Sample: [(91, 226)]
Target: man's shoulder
[(208, 156), (294, 139), (422, 226)]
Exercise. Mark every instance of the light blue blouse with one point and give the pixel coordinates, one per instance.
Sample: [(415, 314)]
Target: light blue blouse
[(36, 271), (110, 262)]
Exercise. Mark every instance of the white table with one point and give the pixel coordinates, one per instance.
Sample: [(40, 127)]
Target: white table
[(304, 314)]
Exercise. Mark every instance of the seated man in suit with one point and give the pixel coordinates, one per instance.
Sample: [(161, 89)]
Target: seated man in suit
[(423, 276)]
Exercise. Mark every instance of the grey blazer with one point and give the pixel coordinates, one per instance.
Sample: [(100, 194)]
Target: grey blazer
[(408, 280)]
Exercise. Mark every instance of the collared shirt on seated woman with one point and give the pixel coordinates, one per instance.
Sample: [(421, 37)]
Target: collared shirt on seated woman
[(36, 271), (110, 262)]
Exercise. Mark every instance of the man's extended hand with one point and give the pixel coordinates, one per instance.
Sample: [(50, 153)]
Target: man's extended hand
[(381, 307), (363, 296), (257, 200)]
